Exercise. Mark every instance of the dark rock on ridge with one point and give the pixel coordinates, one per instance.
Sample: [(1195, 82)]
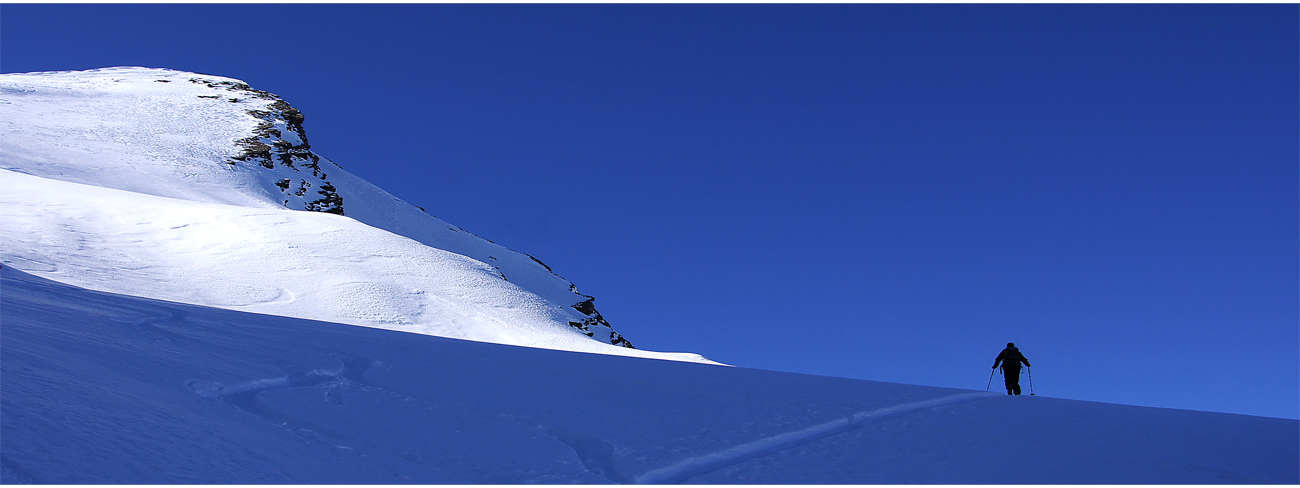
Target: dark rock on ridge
[(270, 146), (279, 142)]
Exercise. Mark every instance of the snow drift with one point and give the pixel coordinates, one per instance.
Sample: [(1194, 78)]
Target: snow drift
[(103, 388)]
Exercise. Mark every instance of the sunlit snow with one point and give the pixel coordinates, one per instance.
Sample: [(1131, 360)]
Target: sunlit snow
[(122, 180)]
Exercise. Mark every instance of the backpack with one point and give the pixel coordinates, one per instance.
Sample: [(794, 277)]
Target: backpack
[(1011, 358)]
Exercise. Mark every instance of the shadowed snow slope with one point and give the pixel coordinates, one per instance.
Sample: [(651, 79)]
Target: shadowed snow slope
[(203, 190), (104, 388)]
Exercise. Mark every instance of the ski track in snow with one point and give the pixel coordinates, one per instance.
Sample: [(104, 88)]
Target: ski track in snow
[(595, 454), (244, 397), (174, 316), (699, 465)]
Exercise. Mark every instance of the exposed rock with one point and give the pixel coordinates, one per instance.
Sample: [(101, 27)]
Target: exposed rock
[(588, 307), (279, 141), (279, 144)]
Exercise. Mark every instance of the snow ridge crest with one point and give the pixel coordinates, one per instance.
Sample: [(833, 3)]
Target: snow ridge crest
[(216, 140)]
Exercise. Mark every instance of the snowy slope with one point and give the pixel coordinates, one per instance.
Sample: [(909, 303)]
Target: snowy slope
[(103, 388), (195, 138), (275, 261)]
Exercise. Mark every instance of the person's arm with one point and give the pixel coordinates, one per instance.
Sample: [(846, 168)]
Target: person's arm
[(1025, 360), (999, 359)]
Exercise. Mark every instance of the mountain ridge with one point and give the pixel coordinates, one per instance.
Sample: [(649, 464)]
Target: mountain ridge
[(213, 139)]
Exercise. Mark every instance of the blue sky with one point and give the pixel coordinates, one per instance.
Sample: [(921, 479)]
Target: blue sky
[(886, 192)]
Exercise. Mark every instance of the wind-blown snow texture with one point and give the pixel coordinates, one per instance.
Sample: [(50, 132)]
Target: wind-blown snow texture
[(190, 188), (103, 388)]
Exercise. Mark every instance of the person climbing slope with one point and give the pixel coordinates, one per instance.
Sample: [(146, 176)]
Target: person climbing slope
[(1010, 358)]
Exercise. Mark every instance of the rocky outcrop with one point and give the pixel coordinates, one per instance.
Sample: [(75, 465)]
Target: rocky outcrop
[(279, 144), (588, 307)]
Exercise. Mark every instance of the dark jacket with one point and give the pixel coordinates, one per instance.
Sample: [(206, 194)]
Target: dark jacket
[(1010, 358)]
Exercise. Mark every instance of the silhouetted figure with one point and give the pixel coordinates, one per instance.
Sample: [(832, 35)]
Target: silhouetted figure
[(1010, 358)]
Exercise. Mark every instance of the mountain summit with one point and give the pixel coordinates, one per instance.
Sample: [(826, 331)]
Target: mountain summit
[(204, 190)]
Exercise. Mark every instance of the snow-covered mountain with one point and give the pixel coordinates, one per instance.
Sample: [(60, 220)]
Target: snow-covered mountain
[(181, 285), (103, 388), (203, 190)]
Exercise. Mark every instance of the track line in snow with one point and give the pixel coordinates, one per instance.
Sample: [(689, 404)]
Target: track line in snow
[(686, 468), (596, 454), (244, 397), (174, 316)]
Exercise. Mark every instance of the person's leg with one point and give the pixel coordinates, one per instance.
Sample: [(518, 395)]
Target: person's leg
[(1013, 381)]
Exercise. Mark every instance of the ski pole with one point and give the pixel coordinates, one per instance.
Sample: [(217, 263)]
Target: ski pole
[(990, 385), (1031, 380)]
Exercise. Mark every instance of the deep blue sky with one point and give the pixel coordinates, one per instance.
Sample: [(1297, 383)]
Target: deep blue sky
[(886, 192)]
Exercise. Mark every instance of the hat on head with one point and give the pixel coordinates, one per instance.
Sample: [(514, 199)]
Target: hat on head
[(1011, 344)]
